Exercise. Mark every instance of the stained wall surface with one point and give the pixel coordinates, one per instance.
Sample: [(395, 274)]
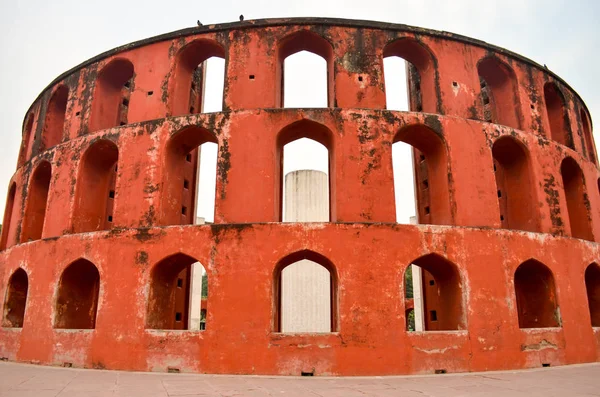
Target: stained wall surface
[(126, 134)]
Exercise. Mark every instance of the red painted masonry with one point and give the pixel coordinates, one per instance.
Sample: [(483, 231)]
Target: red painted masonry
[(95, 231)]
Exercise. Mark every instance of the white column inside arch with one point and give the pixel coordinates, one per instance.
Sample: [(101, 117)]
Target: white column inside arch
[(195, 306), (417, 284), (306, 285)]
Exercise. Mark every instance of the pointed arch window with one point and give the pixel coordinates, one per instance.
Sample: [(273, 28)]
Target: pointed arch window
[(77, 297), (96, 188), (305, 288), (112, 93), (16, 300), (537, 304), (55, 117)]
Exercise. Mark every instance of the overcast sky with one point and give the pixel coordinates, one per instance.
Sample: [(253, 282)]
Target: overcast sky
[(41, 39)]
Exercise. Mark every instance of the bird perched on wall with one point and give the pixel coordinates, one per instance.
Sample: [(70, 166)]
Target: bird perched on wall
[(241, 17), (199, 23)]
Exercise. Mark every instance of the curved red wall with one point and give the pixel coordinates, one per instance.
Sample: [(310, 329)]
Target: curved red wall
[(367, 248)]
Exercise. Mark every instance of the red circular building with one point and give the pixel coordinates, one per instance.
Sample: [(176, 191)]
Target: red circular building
[(98, 228)]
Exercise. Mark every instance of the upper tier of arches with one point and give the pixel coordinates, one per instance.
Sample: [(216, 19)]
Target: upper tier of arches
[(489, 83)]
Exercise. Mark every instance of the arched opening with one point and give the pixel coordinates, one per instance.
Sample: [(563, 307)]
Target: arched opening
[(305, 288), (499, 92), (304, 81), (537, 304), (198, 66), (587, 134), (181, 180), (430, 170), (574, 185), (558, 116), (110, 104), (26, 144), (15, 300), (308, 74), (37, 199), (592, 286), (8, 215), (55, 117), (407, 58), (305, 158), (414, 320), (516, 197), (77, 297), (439, 306), (178, 294), (96, 188)]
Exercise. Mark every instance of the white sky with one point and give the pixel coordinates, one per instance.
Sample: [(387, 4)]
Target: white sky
[(39, 40)]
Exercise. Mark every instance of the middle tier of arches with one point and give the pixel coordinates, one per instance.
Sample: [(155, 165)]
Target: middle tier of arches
[(478, 174)]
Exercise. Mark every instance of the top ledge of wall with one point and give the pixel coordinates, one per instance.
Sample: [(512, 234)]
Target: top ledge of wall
[(356, 23)]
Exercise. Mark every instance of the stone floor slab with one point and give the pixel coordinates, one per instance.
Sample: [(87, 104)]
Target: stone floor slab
[(22, 380)]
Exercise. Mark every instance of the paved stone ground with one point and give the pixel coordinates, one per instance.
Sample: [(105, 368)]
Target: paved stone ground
[(32, 380)]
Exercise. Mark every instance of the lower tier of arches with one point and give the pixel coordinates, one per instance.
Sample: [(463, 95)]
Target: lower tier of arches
[(502, 299)]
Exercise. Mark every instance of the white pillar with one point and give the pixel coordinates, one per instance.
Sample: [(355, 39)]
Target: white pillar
[(195, 305), (306, 285), (306, 196), (196, 274), (417, 284), (417, 281)]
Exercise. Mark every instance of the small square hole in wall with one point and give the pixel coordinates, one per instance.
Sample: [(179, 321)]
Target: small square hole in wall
[(499, 193), (178, 316), (122, 123), (183, 210), (186, 184), (251, 77), (116, 168), (421, 158), (532, 106), (440, 371), (431, 282), (433, 315), (125, 102), (127, 84), (419, 108), (455, 84), (188, 158), (427, 210), (67, 364), (425, 184), (150, 93), (77, 114), (501, 217), (545, 364), (360, 78), (110, 218), (179, 283), (494, 167), (192, 109), (111, 194)]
